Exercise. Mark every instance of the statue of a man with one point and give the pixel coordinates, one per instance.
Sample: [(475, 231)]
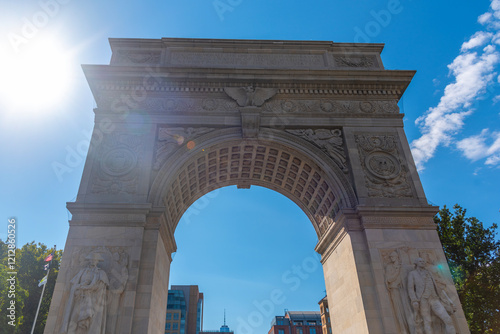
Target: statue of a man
[(86, 308), (425, 298), (394, 283)]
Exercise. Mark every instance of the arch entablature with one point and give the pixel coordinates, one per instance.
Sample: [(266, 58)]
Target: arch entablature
[(277, 160)]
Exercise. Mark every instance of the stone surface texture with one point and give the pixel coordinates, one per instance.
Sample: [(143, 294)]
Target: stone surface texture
[(315, 121)]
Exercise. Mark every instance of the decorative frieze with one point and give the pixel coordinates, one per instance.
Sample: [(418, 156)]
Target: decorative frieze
[(268, 98), (385, 174), (332, 106)]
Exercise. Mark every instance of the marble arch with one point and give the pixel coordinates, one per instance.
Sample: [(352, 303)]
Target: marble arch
[(317, 121)]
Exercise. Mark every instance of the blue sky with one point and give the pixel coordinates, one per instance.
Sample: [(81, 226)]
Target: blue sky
[(250, 239)]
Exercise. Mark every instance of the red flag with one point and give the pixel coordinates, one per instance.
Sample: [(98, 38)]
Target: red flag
[(49, 258)]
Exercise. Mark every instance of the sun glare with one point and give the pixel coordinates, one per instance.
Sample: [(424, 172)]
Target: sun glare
[(36, 78)]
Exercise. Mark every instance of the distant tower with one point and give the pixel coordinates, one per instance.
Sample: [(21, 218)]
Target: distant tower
[(224, 328)]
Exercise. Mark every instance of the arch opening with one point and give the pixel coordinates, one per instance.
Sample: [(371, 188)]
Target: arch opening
[(250, 252)]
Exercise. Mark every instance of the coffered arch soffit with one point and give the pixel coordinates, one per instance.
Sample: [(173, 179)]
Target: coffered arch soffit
[(276, 160)]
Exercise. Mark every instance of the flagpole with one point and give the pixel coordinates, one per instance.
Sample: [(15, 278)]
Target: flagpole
[(40, 303), (43, 290)]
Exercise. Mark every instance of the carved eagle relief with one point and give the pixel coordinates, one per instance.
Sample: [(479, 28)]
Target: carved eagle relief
[(250, 96)]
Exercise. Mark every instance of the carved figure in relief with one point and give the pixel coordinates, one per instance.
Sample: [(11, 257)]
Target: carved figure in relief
[(394, 283), (250, 96), (118, 278), (86, 307), (425, 299), (330, 141)]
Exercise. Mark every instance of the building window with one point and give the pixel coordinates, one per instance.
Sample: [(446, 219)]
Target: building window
[(312, 330), (167, 326), (297, 323), (299, 330), (175, 326), (169, 315), (176, 316), (281, 331), (280, 322), (311, 323)]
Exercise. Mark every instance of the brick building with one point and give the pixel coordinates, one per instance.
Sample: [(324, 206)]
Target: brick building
[(297, 322)]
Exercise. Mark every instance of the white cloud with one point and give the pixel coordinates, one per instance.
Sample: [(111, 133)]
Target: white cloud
[(493, 160), (476, 147), (484, 18), (478, 39), (496, 38), (473, 72)]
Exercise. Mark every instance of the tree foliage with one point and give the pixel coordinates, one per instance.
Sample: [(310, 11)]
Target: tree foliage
[(473, 255), (30, 270)]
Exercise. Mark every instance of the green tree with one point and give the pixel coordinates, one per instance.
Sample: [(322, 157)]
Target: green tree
[(473, 255), (30, 270)]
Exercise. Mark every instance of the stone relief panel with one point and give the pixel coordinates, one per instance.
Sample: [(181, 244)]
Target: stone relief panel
[(385, 174), (170, 139), (356, 61), (131, 57), (417, 291), (96, 290), (117, 171), (329, 141), (332, 106)]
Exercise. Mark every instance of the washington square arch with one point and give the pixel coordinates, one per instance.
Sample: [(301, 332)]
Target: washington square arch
[(316, 121)]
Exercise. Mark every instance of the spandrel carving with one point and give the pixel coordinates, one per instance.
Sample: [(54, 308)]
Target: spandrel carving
[(329, 141), (170, 139)]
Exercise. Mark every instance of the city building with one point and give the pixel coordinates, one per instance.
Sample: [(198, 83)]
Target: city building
[(325, 316), (184, 310), (297, 322)]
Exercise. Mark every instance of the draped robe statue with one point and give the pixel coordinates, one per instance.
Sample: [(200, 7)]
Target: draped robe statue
[(86, 308)]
